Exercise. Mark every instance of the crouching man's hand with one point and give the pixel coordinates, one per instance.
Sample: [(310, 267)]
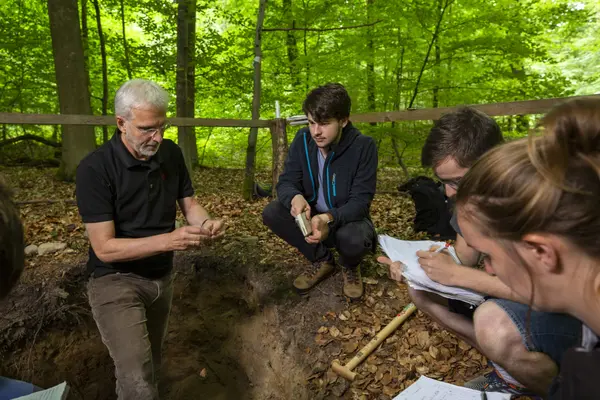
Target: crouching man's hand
[(320, 229), (299, 205)]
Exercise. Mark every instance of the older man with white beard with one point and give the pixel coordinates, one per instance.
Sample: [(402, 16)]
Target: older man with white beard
[(127, 194)]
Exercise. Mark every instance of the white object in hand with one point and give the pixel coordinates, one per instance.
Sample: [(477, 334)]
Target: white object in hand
[(405, 251), (304, 224)]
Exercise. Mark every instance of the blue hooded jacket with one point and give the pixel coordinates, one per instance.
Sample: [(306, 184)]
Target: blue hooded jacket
[(350, 175)]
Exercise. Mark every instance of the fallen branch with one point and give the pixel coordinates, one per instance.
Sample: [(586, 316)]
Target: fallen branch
[(30, 137), (26, 161), (46, 201), (321, 29)]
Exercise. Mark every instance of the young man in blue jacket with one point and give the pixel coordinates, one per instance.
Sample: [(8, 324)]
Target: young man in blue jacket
[(330, 175)]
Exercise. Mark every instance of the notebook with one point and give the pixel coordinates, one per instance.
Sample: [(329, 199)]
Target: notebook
[(405, 251), (58, 392), (429, 389)]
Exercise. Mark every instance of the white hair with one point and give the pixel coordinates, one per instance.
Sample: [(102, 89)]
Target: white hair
[(140, 93)]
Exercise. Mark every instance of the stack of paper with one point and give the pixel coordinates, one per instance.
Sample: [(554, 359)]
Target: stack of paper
[(58, 392), (429, 389), (405, 251)]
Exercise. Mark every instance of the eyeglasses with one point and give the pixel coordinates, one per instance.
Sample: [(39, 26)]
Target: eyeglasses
[(453, 183), (153, 131)]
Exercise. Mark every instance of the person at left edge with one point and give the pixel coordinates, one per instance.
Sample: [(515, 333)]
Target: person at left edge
[(330, 175), (127, 194)]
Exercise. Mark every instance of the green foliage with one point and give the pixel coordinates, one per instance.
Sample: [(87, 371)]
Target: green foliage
[(485, 51)]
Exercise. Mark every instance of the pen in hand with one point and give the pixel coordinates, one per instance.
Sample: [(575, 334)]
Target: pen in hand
[(442, 248)]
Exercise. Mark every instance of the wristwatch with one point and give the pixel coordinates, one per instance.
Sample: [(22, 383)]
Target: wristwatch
[(329, 218)]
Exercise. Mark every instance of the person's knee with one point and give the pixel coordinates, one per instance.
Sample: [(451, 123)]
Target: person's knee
[(352, 242), (496, 334), (425, 301), (420, 299), (272, 212)]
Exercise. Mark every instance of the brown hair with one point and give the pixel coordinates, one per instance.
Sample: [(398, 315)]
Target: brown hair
[(547, 183), (330, 101), (465, 134), (12, 257)]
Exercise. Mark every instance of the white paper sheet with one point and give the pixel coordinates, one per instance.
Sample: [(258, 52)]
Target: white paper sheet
[(405, 251), (58, 392), (429, 389)]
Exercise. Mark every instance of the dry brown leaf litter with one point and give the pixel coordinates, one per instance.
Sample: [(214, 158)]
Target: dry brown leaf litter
[(418, 347)]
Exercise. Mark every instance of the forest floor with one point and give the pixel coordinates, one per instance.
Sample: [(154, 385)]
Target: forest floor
[(237, 330)]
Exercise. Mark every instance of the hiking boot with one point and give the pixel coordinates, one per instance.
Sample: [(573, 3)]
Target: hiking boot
[(353, 286), (493, 382), (314, 274)]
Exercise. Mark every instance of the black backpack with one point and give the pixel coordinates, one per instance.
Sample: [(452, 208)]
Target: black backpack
[(432, 207)]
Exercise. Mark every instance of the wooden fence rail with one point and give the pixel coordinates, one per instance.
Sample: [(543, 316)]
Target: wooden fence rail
[(495, 109), (278, 126), (101, 120)]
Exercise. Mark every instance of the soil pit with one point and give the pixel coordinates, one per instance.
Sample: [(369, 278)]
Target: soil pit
[(236, 331)]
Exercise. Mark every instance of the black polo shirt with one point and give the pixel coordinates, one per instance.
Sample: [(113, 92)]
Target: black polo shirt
[(139, 196)]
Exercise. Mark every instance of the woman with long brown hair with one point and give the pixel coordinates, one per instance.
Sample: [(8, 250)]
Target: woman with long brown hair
[(532, 206)]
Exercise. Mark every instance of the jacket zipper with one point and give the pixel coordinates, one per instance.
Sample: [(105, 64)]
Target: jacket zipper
[(312, 180), (328, 185)]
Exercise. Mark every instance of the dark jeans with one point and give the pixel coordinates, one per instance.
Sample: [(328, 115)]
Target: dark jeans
[(353, 240), (132, 313)]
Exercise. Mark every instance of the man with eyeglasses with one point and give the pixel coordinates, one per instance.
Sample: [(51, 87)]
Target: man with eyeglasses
[(524, 362), (127, 194)]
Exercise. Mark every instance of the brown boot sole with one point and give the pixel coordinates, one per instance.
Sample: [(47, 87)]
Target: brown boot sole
[(353, 299), (326, 276)]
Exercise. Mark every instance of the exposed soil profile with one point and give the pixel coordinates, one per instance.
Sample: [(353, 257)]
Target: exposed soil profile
[(232, 335)]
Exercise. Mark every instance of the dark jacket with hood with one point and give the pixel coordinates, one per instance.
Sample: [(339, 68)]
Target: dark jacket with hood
[(349, 176)]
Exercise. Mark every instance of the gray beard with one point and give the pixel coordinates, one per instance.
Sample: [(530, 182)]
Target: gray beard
[(141, 149), (146, 152)]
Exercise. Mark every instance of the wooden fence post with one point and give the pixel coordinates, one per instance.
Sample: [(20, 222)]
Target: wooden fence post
[(280, 148)]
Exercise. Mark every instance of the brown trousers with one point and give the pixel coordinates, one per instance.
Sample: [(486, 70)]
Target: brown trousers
[(132, 315)]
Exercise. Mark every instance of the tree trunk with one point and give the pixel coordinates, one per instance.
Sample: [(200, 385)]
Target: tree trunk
[(399, 156), (251, 150), (125, 47), (436, 88), (280, 149), (307, 66), (210, 131), (426, 59), (291, 44), (397, 101), (370, 62), (73, 93), (104, 69), (85, 42), (186, 38)]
